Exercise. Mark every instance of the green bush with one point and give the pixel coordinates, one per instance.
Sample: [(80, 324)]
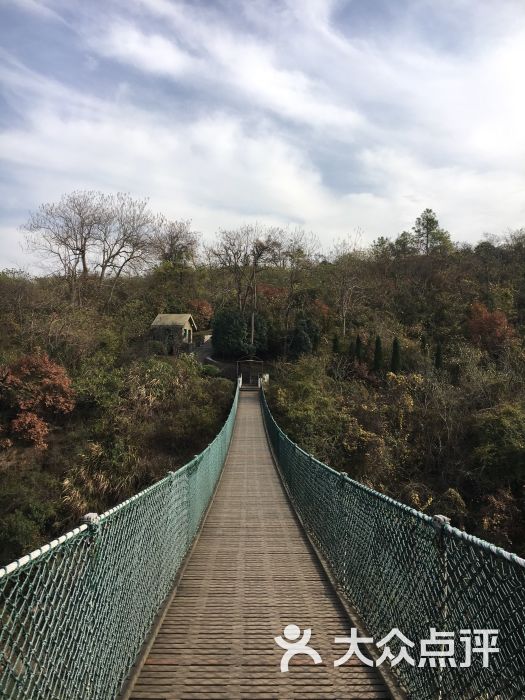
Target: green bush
[(499, 444), (211, 371)]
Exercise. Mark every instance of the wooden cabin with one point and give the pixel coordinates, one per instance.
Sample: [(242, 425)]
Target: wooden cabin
[(175, 331)]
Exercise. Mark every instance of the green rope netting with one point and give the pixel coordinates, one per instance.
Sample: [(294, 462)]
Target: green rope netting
[(401, 569), (75, 613)]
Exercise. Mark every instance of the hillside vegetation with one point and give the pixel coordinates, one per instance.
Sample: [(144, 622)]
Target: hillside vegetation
[(401, 363)]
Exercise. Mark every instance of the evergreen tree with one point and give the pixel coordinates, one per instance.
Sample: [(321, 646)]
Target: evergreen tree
[(300, 342), (404, 245), (351, 350), (261, 335), (336, 344), (229, 334), (438, 359), (429, 236), (314, 332), (359, 350), (395, 364), (378, 355)]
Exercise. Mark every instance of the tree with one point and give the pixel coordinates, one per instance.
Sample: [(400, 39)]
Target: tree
[(202, 312), (242, 253), (499, 436), (405, 245), (176, 243), (260, 345), (336, 343), (124, 242), (429, 236), (359, 350), (229, 334), (378, 355), (89, 233), (346, 278), (300, 343), (438, 358), (382, 249), (395, 364), (314, 332), (295, 255), (66, 232)]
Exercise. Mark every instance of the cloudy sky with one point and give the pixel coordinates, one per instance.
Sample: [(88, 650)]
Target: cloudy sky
[(335, 115)]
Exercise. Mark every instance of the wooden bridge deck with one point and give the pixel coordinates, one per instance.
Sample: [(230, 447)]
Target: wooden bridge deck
[(251, 573)]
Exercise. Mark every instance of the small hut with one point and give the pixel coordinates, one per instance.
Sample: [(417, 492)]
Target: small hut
[(175, 331)]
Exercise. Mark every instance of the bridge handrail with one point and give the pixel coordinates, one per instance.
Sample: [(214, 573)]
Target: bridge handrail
[(75, 612), (400, 568)]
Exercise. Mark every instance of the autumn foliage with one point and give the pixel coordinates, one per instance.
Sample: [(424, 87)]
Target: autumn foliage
[(490, 330), (29, 427), (202, 312), (32, 390)]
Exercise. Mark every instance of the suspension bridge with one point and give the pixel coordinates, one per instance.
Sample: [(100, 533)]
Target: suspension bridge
[(180, 591)]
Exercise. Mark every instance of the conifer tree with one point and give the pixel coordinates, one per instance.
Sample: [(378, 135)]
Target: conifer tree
[(378, 355), (438, 359), (351, 350), (395, 364), (336, 344), (359, 350), (429, 236)]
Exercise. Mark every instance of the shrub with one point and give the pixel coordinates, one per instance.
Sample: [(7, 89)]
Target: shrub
[(210, 371), (30, 427), (33, 389)]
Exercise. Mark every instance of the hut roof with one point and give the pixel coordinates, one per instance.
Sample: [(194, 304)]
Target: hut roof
[(174, 320)]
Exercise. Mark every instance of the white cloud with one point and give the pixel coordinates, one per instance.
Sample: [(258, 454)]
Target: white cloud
[(149, 52), (243, 66), (418, 126)]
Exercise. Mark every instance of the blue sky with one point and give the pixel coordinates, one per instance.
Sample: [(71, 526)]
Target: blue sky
[(339, 116)]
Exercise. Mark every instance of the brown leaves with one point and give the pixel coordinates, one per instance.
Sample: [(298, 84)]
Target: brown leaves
[(28, 426), (490, 330), (39, 384), (33, 387)]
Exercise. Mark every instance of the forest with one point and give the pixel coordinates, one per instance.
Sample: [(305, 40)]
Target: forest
[(401, 362)]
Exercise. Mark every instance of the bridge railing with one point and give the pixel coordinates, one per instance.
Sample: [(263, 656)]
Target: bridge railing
[(400, 568), (75, 613)]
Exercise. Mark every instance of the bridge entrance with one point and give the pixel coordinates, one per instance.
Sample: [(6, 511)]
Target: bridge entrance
[(250, 369)]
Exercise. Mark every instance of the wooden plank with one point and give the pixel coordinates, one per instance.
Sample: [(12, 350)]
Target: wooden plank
[(251, 573)]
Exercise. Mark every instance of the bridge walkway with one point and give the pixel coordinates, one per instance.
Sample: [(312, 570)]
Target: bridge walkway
[(251, 573)]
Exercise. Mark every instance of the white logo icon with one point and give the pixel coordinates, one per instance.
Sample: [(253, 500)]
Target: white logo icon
[(294, 645)]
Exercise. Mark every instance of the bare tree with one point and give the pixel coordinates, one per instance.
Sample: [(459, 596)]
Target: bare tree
[(91, 234), (232, 254), (65, 232), (123, 240), (243, 253), (298, 252), (175, 242), (347, 276)]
